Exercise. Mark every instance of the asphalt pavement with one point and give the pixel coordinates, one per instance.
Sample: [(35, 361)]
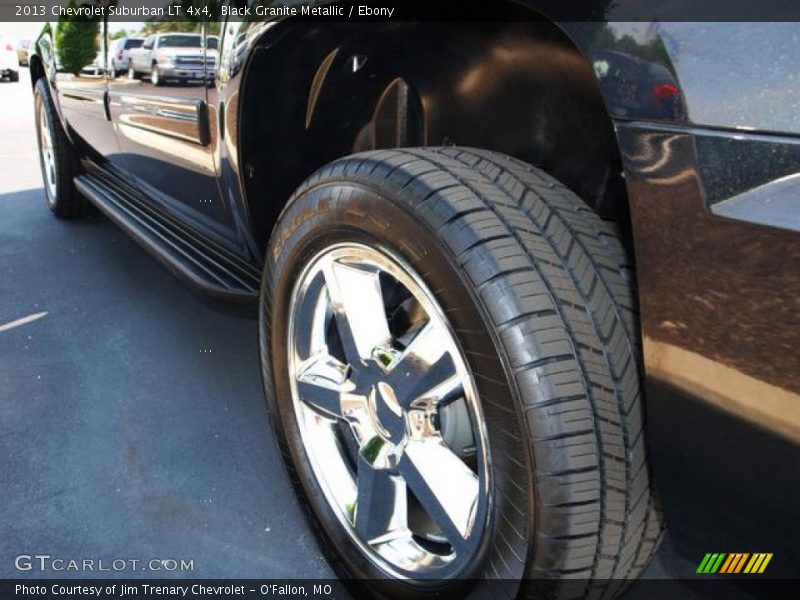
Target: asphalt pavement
[(132, 419)]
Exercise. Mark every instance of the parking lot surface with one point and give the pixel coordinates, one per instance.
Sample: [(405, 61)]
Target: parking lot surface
[(132, 421)]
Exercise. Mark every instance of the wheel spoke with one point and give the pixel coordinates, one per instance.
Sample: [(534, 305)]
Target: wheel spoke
[(320, 383), (357, 302), (444, 485), (381, 508), (356, 414), (425, 370), (310, 339)]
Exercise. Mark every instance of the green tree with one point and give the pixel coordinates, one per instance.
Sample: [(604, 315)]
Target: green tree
[(170, 27), (76, 41), (189, 18), (119, 34)]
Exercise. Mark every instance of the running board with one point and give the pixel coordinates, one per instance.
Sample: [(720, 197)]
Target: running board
[(192, 257)]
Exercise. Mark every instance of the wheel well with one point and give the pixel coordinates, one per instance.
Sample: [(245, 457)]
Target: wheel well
[(522, 88), (36, 68)]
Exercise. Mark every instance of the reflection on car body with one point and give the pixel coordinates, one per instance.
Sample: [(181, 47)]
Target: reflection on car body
[(167, 57)]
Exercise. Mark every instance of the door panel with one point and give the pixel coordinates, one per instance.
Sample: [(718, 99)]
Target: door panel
[(82, 98), (163, 130), (182, 119)]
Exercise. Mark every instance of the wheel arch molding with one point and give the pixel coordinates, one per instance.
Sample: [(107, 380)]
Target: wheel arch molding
[(310, 94)]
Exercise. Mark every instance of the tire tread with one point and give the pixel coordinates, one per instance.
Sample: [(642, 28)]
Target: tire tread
[(557, 286)]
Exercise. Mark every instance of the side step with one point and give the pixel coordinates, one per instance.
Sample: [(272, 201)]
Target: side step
[(192, 257)]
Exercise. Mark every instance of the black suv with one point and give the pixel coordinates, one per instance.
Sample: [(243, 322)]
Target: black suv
[(476, 249)]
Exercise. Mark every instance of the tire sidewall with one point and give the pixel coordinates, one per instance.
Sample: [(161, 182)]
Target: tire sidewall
[(353, 212), (42, 111)]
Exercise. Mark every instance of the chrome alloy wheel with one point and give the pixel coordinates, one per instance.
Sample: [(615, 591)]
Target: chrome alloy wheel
[(388, 412), (47, 155)]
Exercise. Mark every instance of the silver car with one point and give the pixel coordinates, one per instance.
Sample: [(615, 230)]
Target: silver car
[(119, 57), (172, 56)]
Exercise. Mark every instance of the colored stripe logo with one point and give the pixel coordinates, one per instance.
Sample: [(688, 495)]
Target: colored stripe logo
[(734, 563)]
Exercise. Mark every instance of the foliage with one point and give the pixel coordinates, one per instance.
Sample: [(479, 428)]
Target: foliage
[(192, 14), (151, 27), (652, 50), (77, 41)]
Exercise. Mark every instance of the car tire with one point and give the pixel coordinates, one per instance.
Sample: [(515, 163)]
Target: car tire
[(57, 157), (537, 293), (13, 76), (133, 74), (155, 77)]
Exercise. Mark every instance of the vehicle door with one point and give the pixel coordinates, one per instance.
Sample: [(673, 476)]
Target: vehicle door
[(163, 130)]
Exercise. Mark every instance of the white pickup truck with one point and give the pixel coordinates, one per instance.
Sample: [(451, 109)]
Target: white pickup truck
[(173, 56)]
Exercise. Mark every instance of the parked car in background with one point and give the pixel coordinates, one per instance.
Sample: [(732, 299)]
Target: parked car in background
[(9, 61), (23, 47), (97, 66), (635, 87), (171, 56), (119, 54)]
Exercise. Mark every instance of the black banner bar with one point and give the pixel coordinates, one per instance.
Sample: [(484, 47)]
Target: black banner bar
[(713, 588), (401, 10)]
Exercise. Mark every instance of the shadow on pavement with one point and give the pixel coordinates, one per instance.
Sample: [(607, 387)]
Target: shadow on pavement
[(132, 420)]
